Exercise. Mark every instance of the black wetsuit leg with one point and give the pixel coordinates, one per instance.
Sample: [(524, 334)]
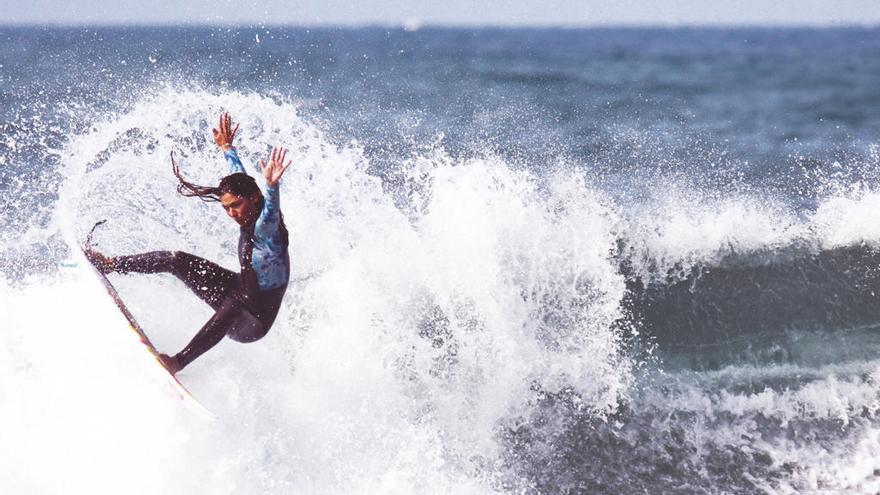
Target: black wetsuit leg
[(211, 282), (221, 289), (232, 319)]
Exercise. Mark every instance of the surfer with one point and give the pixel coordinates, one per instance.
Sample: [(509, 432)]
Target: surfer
[(247, 302)]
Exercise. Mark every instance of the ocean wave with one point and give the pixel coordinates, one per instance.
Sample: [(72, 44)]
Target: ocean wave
[(444, 316), (413, 325)]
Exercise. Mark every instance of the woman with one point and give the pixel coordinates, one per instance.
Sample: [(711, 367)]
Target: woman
[(247, 302)]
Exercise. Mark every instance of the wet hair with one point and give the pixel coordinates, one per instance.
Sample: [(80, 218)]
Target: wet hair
[(239, 184)]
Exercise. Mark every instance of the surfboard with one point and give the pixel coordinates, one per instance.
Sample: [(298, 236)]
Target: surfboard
[(176, 388)]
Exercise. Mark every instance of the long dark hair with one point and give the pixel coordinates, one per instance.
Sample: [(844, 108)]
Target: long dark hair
[(239, 184)]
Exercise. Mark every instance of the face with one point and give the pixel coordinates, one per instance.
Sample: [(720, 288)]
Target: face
[(242, 209)]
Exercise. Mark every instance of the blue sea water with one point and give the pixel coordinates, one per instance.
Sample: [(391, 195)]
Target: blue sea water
[(525, 260)]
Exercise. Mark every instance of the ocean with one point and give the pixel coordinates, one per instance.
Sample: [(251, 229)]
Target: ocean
[(530, 261)]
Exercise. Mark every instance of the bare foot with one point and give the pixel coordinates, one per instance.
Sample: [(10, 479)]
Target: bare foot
[(170, 363), (104, 264)]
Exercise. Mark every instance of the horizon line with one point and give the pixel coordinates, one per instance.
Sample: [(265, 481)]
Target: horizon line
[(416, 25)]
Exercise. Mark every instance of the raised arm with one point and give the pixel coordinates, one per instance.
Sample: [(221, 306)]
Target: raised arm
[(224, 137), (276, 166), (272, 172)]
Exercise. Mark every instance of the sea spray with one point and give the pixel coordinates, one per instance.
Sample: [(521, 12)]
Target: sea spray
[(711, 197), (404, 342)]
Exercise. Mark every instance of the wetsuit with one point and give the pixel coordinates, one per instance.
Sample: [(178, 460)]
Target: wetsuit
[(246, 303)]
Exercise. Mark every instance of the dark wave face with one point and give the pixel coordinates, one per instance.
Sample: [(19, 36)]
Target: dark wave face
[(835, 289), (760, 308), (523, 260)]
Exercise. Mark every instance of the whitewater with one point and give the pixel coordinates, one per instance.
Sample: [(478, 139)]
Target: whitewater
[(386, 358), (462, 316)]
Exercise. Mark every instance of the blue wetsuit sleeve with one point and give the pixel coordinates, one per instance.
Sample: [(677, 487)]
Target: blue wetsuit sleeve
[(234, 162), (271, 213), (270, 259)]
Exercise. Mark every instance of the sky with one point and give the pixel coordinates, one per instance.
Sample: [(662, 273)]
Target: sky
[(446, 12)]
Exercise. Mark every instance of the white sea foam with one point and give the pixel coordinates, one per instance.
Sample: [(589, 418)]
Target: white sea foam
[(417, 322), (681, 227), (825, 430), (404, 340)]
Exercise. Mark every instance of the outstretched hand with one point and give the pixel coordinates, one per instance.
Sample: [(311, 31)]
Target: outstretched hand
[(226, 134), (276, 167)]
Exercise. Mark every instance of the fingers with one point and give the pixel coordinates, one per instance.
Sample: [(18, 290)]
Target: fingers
[(276, 166), (225, 124), (224, 133), (278, 155)]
